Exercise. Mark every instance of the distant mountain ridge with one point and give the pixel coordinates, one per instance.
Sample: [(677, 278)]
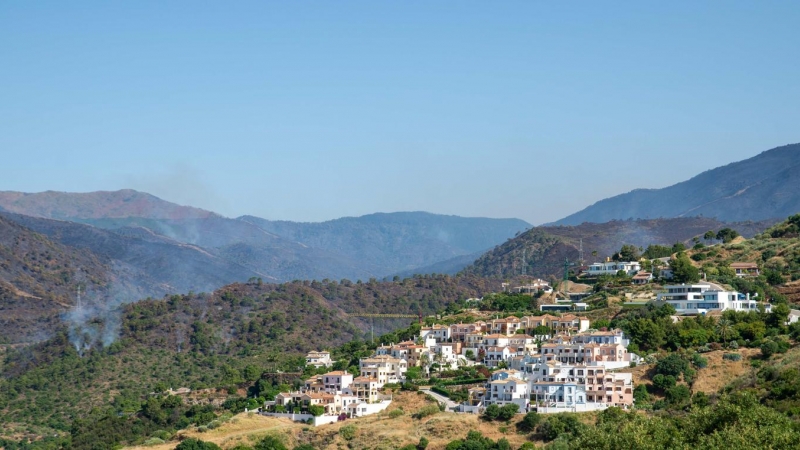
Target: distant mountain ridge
[(371, 246), (401, 241), (765, 186), (94, 205)]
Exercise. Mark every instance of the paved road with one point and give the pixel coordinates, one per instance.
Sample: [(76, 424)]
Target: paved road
[(451, 405)]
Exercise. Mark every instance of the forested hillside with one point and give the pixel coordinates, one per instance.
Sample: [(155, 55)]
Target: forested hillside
[(39, 280), (202, 341)]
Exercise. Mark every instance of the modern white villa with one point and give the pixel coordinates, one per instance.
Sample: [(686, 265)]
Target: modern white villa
[(612, 267), (701, 298)]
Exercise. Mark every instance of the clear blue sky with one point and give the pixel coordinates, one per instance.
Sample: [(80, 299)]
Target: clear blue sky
[(316, 110)]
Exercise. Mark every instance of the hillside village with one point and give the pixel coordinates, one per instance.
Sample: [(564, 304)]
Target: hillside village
[(543, 362)]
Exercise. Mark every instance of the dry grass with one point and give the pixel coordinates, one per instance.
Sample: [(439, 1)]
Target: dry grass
[(378, 431), (720, 372)]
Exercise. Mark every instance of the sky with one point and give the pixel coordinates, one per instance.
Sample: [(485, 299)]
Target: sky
[(311, 111)]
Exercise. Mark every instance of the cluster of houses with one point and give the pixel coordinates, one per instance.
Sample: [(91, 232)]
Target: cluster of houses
[(569, 370), (548, 362), (341, 394), (553, 363)]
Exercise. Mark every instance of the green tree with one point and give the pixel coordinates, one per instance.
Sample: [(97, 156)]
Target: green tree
[(529, 422), (709, 236), (270, 443), (196, 444), (316, 410), (677, 395), (673, 364), (727, 235), (560, 424), (769, 348), (508, 411), (627, 253), (492, 412), (683, 271)]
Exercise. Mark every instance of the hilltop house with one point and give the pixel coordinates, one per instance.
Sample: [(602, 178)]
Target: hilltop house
[(612, 267), (745, 269)]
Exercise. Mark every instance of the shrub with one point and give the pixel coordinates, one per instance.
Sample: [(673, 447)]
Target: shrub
[(529, 422), (640, 394), (270, 443), (663, 382), (154, 441), (677, 394), (196, 444), (559, 424), (673, 365), (492, 412), (425, 411), (395, 413), (769, 348), (699, 361), (508, 411), (423, 443), (347, 432), (732, 356)]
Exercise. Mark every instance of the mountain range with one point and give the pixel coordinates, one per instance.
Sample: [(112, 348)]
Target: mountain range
[(765, 186), (124, 246)]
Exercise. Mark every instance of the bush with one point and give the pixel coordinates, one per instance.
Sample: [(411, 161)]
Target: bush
[(270, 443), (154, 441), (673, 365), (640, 394), (395, 413), (196, 444), (559, 424), (663, 382), (508, 411), (699, 361), (423, 443), (492, 412), (316, 410), (347, 432), (425, 411), (529, 422), (677, 395), (769, 348)]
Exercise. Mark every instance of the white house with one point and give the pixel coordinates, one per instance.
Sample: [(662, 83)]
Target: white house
[(441, 333), (702, 298), (319, 359), (505, 388), (337, 381), (612, 267), (384, 368)]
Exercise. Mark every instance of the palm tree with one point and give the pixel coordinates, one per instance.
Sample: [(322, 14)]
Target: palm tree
[(425, 361), (723, 328)]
